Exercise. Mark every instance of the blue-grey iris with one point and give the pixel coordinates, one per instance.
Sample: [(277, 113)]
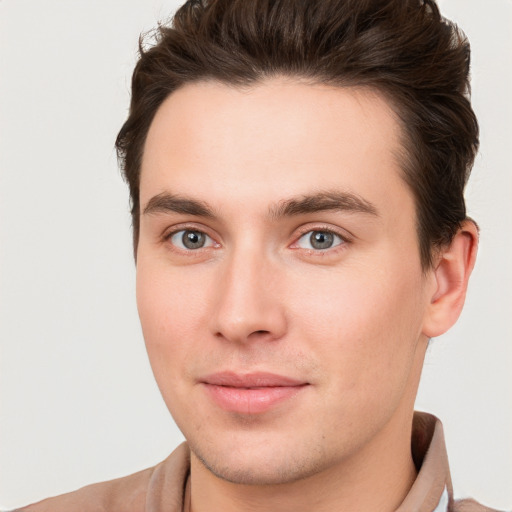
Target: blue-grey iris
[(193, 239), (321, 239)]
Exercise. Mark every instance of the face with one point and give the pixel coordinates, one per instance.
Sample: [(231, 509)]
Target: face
[(279, 282)]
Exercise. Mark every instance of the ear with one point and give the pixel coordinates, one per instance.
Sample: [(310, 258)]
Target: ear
[(450, 280)]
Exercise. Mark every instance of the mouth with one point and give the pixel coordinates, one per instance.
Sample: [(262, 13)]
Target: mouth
[(252, 393)]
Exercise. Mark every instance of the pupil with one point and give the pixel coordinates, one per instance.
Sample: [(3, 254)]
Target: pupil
[(321, 240), (193, 239)]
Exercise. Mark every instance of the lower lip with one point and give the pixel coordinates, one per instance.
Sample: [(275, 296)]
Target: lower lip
[(251, 400)]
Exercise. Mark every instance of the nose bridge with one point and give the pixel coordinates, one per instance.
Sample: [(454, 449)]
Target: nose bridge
[(248, 299)]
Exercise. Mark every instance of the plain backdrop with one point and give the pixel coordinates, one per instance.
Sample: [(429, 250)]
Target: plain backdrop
[(78, 401)]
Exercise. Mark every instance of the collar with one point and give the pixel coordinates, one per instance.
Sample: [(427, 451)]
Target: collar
[(433, 484)]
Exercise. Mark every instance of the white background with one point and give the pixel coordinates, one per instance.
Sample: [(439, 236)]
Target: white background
[(78, 401)]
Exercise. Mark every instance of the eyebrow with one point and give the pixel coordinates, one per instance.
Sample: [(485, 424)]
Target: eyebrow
[(166, 202), (331, 200)]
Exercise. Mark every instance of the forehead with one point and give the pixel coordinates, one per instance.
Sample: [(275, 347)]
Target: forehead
[(258, 144)]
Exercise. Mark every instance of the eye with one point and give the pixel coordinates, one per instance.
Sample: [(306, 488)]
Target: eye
[(319, 240), (190, 239)]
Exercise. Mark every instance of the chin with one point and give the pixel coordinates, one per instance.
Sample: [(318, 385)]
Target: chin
[(262, 464)]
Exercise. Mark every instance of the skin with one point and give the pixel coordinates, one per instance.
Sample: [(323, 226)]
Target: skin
[(352, 320)]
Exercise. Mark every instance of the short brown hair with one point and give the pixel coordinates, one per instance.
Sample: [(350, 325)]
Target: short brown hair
[(402, 48)]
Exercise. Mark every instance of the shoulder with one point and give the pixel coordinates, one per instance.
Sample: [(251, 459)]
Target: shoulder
[(124, 494), (470, 505), (161, 484)]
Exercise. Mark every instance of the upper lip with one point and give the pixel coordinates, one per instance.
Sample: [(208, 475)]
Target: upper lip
[(250, 380)]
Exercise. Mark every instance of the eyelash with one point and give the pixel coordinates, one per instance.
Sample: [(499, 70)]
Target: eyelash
[(344, 240), (190, 252)]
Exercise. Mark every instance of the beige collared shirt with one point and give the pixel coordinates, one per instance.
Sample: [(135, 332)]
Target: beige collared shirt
[(163, 488)]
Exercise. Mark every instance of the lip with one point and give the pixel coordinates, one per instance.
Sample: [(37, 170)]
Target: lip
[(252, 393)]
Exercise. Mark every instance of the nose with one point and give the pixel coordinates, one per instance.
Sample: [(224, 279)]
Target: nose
[(249, 303)]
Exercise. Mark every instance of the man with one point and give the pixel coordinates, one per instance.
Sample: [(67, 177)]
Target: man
[(296, 171)]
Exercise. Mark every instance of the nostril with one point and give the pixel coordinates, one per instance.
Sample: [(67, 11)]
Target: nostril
[(260, 333)]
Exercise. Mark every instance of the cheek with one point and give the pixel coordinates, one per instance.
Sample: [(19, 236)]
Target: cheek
[(363, 325), (168, 298), (167, 305), (171, 307)]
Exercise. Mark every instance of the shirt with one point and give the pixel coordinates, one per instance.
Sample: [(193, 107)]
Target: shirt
[(164, 487)]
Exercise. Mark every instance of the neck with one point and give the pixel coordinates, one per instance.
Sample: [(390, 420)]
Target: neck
[(377, 477)]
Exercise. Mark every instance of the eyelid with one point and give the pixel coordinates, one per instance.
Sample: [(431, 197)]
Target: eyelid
[(337, 240), (208, 240), (345, 237), (304, 230), (173, 230), (308, 228)]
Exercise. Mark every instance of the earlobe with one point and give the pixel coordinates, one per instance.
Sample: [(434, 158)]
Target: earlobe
[(451, 274)]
